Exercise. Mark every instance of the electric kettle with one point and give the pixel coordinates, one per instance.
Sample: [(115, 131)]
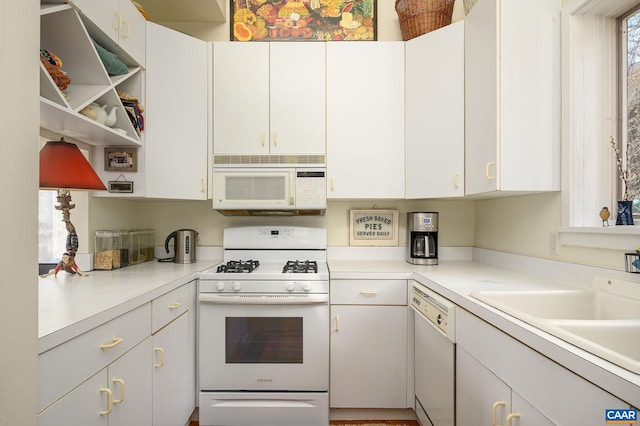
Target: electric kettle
[(184, 247)]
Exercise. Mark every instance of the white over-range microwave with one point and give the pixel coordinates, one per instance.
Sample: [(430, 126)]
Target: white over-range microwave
[(270, 191)]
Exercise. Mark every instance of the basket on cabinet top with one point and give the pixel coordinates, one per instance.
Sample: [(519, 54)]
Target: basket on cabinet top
[(419, 17)]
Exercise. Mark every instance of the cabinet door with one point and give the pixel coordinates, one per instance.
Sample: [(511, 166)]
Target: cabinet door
[(477, 390), (103, 13), (435, 113), (480, 394), (173, 400), (297, 98), (193, 333), (481, 102), (365, 120), (368, 356), (120, 21), (240, 98), (512, 104), (528, 414), (80, 407), (176, 115), (133, 31), (130, 384)]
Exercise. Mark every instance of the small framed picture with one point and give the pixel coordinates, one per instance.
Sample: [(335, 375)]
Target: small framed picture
[(303, 20), (120, 159), (120, 187), (374, 227)]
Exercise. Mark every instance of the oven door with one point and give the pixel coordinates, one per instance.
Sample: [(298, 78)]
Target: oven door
[(264, 342)]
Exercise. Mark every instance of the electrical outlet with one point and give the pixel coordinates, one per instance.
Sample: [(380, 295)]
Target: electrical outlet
[(554, 244)]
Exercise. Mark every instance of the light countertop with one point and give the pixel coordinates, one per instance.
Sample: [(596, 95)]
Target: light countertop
[(70, 305), (455, 280)]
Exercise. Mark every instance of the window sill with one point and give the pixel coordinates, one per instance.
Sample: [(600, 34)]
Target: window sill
[(607, 237)]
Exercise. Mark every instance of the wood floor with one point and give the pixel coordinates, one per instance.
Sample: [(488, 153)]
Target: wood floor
[(361, 422)]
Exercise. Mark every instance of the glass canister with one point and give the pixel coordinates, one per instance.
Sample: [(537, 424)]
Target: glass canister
[(107, 251), (123, 246), (148, 241), (134, 247)]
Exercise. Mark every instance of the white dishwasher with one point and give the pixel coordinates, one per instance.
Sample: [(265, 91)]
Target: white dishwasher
[(434, 357)]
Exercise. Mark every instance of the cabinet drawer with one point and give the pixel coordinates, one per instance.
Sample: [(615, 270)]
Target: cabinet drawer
[(66, 366), (368, 292), (168, 307)]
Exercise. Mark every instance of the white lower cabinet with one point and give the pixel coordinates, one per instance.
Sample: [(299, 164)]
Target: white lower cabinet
[(117, 395), (482, 395), (137, 369), (368, 364), (497, 377), (173, 366)]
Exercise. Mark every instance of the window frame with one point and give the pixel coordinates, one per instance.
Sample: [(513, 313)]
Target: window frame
[(590, 109)]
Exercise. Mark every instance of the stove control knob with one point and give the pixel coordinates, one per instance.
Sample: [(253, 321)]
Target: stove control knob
[(236, 286), (220, 285), (291, 286), (306, 286)]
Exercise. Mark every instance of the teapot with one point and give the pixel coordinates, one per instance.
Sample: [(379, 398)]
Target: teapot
[(99, 113)]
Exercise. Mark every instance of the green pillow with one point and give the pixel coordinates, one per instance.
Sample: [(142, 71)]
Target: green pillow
[(112, 63)]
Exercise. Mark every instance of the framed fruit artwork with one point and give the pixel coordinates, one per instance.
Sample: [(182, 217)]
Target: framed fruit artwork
[(303, 20)]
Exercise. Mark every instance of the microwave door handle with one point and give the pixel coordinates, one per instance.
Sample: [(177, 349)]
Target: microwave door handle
[(291, 187)]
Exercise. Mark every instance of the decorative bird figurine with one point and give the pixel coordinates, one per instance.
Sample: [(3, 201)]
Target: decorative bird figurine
[(604, 215)]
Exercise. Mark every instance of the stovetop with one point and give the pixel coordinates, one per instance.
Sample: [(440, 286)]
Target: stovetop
[(256, 270)]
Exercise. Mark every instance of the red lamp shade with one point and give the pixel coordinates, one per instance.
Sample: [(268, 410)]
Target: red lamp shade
[(62, 165)]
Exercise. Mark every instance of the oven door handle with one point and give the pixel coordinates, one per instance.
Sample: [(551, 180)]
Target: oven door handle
[(264, 299)]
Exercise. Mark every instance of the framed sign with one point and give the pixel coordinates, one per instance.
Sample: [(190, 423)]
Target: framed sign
[(303, 20), (118, 159), (373, 227)]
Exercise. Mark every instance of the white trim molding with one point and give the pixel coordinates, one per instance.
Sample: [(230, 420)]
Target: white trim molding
[(589, 111)]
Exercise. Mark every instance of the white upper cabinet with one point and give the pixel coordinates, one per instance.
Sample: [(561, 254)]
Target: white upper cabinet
[(365, 120), (121, 21), (512, 96), (240, 98), (297, 98), (269, 98), (177, 119), (434, 157)]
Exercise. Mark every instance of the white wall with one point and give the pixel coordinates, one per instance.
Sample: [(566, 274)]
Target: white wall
[(388, 25), (519, 225), (456, 219), (19, 121)]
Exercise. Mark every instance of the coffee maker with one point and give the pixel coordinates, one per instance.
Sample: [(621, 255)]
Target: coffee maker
[(422, 238)]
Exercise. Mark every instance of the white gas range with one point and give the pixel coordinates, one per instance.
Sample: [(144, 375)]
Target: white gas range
[(264, 329)]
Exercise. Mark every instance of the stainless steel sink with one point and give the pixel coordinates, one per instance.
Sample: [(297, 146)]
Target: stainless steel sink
[(604, 320)]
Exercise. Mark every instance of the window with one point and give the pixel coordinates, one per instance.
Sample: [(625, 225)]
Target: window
[(52, 232), (589, 119), (628, 158)]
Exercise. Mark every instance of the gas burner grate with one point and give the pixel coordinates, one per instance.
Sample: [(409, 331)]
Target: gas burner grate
[(238, 266), (300, 267)]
